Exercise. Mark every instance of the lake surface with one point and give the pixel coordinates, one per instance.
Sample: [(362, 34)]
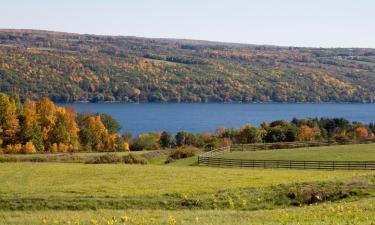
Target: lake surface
[(140, 118)]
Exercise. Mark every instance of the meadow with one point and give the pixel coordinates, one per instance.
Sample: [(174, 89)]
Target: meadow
[(359, 152), (184, 193), (346, 212)]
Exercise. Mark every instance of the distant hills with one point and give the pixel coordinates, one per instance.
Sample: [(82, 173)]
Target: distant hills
[(72, 67)]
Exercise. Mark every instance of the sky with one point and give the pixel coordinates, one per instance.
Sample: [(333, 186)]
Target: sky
[(304, 23)]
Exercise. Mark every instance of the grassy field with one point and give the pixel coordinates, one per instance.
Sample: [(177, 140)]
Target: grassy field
[(184, 193), (53, 179), (339, 153), (342, 213)]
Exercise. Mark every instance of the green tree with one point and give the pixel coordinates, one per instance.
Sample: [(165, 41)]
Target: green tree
[(249, 134), (166, 139), (112, 125)]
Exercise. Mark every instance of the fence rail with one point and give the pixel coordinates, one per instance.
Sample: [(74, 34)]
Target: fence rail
[(288, 164), (217, 151)]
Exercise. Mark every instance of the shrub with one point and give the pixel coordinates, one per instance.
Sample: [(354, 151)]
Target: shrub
[(124, 147), (29, 148), (133, 159), (104, 159), (342, 139), (148, 141), (13, 149), (183, 152)]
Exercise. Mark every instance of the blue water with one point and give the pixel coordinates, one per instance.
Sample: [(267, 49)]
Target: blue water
[(140, 118)]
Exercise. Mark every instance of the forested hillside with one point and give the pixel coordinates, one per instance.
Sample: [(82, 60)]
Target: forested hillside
[(73, 67)]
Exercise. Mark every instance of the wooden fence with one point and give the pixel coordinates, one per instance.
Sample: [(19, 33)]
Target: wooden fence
[(289, 164), (217, 151), (288, 145)]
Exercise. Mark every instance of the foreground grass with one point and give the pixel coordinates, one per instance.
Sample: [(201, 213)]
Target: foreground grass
[(360, 152), (352, 212), (28, 186), (53, 179)]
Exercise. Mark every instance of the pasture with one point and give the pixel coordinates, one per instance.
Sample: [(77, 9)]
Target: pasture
[(183, 193), (359, 152)]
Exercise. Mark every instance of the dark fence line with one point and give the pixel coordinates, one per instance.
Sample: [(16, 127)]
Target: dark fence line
[(290, 145), (287, 164)]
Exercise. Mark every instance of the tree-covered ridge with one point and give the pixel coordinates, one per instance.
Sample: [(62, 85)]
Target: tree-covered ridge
[(72, 67)]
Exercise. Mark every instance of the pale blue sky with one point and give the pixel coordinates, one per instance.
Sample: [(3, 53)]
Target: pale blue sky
[(316, 23)]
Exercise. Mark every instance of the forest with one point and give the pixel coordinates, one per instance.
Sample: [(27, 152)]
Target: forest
[(69, 67), (41, 126)]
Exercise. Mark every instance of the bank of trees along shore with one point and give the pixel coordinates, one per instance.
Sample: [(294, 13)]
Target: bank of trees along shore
[(41, 126)]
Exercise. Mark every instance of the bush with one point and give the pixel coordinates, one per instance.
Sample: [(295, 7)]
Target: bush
[(133, 159), (148, 141), (342, 139), (104, 159), (183, 152)]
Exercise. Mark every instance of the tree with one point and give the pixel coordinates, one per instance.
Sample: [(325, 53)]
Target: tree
[(275, 134), (306, 133), (112, 125), (64, 130), (9, 123), (97, 131), (361, 133), (166, 139), (46, 114), (149, 141), (180, 138), (29, 148), (33, 133), (249, 134)]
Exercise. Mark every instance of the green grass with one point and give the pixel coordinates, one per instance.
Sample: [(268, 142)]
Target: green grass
[(360, 152), (60, 193), (342, 213), (118, 186), (191, 161), (53, 179)]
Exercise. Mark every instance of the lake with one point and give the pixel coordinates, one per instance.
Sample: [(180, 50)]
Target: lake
[(140, 118)]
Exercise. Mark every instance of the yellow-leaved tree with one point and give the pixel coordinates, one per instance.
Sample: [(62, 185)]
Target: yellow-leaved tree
[(9, 124)]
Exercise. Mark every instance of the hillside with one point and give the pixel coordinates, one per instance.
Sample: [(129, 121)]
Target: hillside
[(73, 67)]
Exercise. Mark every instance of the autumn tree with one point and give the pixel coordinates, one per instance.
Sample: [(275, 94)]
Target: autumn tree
[(30, 128), (361, 133), (9, 123), (306, 133), (93, 133)]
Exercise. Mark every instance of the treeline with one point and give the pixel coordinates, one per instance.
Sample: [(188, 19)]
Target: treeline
[(41, 126), (302, 130), (37, 127), (71, 67)]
